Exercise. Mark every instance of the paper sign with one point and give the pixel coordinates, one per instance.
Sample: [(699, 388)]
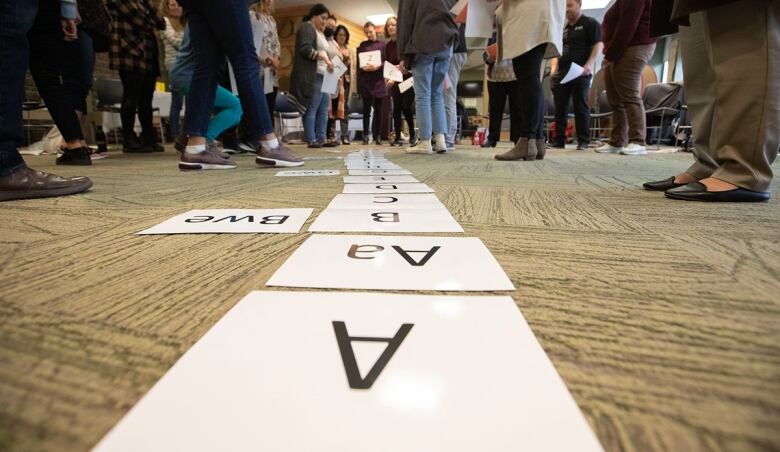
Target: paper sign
[(448, 374), (385, 219), (391, 72), (378, 172), (392, 263), (380, 180), (575, 71), (387, 188), (330, 80), (373, 58), (379, 201), (268, 80), (480, 18), (406, 84), (368, 166), (233, 221), (308, 173)]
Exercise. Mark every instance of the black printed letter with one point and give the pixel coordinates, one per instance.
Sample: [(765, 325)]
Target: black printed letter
[(348, 355), (386, 217), (428, 254), (275, 219), (354, 249)]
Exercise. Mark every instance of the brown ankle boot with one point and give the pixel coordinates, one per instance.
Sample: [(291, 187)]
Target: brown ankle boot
[(541, 148), (524, 149)]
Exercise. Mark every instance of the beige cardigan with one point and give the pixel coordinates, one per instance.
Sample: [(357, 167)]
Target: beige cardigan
[(526, 24)]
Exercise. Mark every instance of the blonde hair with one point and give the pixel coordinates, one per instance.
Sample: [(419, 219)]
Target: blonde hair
[(261, 8), (178, 23)]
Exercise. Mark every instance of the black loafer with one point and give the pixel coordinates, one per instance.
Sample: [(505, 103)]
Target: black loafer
[(697, 191), (662, 185), (79, 156), (488, 144)]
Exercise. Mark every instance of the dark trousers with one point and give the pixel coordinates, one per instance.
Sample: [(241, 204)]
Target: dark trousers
[(527, 69), (138, 90), (334, 107), (77, 74), (16, 18), (577, 91), (499, 92), (220, 29), (270, 99), (376, 126), (47, 64), (403, 104)]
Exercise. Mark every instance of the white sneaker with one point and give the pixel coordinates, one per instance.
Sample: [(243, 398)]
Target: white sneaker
[(422, 147), (634, 149), (440, 143), (608, 149)]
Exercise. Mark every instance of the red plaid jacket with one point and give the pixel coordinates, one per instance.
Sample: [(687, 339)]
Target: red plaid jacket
[(134, 45)]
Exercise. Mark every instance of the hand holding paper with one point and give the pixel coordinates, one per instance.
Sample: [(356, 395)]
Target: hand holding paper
[(373, 58), (392, 73), (575, 71)]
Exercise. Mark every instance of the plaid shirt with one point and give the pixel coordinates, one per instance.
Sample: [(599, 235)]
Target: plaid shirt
[(133, 38)]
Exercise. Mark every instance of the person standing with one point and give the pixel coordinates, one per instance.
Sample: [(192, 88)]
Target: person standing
[(270, 48), (403, 103), (171, 38), (581, 45), (459, 54), (135, 55), (628, 48), (371, 84), (17, 180), (340, 106), (311, 64), (529, 32), (426, 36), (336, 112), (730, 52), (502, 86)]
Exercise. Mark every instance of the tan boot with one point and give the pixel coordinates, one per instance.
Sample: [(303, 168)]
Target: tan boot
[(541, 148), (524, 149)]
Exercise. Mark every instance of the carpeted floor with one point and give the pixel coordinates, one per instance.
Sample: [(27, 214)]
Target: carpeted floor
[(662, 317)]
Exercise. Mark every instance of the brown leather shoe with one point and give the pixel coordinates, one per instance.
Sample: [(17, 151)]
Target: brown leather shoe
[(541, 148), (26, 183), (524, 149)]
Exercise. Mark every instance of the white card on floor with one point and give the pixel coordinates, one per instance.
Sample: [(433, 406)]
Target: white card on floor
[(380, 179), (387, 188), (403, 201), (234, 221), (392, 263), (385, 220), (360, 372), (308, 173), (356, 165), (378, 172)]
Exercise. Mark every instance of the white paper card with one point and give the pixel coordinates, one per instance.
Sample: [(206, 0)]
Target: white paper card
[(575, 71), (465, 374), (387, 188), (308, 173), (268, 80), (366, 166), (480, 18), (391, 72), (373, 58), (378, 172), (403, 201), (380, 180), (406, 84), (385, 220), (330, 81), (392, 263), (234, 221)]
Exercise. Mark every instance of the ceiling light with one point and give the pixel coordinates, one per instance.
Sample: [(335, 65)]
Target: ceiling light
[(379, 19)]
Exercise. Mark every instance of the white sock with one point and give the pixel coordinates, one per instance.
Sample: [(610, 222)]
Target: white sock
[(197, 149), (270, 145)]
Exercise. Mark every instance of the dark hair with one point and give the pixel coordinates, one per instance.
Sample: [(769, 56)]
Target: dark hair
[(346, 32), (333, 16), (316, 10), (369, 24)]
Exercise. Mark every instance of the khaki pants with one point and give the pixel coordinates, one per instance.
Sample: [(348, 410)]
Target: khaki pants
[(731, 62), (623, 81)]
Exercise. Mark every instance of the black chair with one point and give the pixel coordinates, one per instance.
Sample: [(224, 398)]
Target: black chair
[(108, 97), (662, 106), (28, 107), (285, 110), (603, 110), (355, 108)]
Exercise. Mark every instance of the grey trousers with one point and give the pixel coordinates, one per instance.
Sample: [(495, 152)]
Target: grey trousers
[(731, 64)]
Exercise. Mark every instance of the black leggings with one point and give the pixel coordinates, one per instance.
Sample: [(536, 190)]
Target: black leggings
[(137, 97), (47, 64), (527, 68), (403, 103), (376, 126)]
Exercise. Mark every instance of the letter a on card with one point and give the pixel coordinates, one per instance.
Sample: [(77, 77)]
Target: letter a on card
[(348, 354)]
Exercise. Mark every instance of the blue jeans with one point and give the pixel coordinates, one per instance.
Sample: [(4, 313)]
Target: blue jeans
[(174, 116), (429, 72), (315, 120), (16, 18), (220, 28)]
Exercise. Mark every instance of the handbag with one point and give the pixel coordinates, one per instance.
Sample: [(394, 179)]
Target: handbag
[(96, 20)]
